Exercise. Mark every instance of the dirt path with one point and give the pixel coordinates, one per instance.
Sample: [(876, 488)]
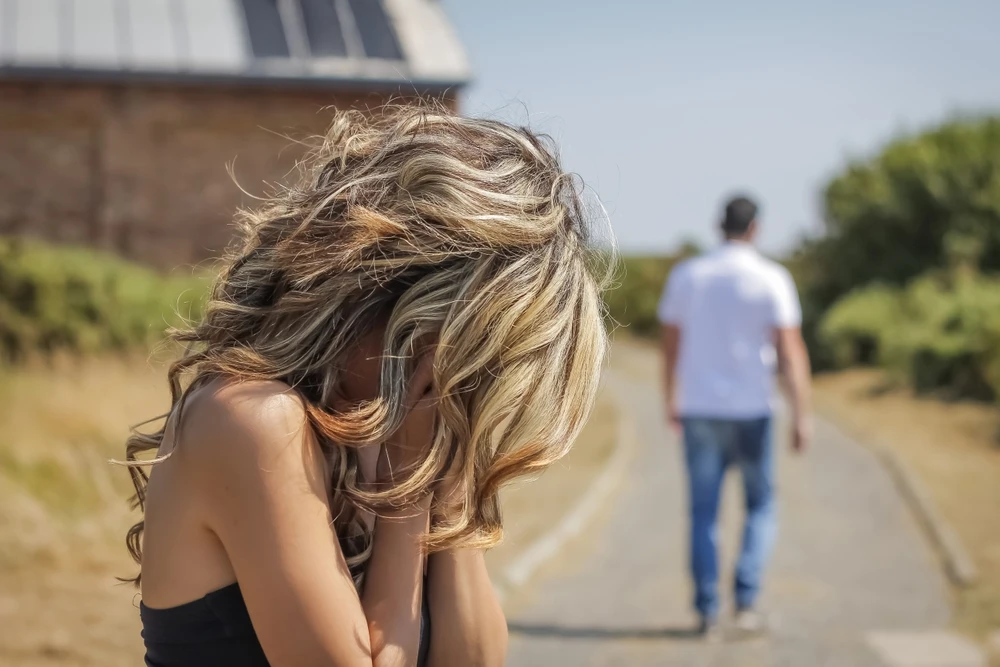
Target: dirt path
[(850, 562)]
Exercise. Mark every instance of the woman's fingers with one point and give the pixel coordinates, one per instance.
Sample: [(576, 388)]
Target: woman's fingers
[(368, 457), (407, 447)]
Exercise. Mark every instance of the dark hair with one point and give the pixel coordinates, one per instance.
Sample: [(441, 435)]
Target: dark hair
[(740, 213)]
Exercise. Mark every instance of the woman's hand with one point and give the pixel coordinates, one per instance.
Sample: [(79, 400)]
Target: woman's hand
[(406, 449), (386, 463), (394, 580)]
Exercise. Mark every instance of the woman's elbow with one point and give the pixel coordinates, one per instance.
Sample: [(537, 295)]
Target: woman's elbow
[(496, 649), (485, 648), (495, 646), (489, 651)]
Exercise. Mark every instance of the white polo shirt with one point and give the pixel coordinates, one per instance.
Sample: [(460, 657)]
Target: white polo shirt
[(727, 304)]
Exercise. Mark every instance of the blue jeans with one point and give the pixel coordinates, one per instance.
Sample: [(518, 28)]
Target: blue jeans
[(710, 446)]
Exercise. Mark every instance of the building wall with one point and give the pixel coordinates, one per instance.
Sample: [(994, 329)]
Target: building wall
[(145, 171)]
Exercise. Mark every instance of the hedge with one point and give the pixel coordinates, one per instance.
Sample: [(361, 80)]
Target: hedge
[(81, 301), (938, 333)]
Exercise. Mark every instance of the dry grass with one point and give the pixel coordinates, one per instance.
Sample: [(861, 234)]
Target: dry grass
[(65, 513), (954, 449)]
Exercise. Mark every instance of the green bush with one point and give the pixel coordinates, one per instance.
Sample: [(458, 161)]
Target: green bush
[(815, 304), (856, 329), (82, 301), (941, 332)]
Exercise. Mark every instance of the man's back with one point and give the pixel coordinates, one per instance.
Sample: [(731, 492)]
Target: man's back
[(727, 305)]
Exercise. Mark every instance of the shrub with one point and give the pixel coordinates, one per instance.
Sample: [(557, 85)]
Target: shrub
[(857, 328), (941, 332), (82, 301)]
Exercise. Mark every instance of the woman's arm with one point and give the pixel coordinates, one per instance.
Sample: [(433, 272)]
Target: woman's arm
[(393, 590), (468, 627), (263, 484)]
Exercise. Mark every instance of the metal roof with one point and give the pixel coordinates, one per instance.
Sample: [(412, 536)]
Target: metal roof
[(330, 42)]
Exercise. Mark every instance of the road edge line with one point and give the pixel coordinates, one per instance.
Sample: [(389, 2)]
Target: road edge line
[(959, 566), (524, 566)]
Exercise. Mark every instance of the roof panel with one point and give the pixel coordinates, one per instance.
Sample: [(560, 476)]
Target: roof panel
[(152, 35), (326, 42), (377, 34), (267, 31), (216, 36), (93, 37), (36, 28), (323, 28)]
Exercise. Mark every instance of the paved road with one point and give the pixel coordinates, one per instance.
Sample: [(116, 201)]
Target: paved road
[(850, 561)]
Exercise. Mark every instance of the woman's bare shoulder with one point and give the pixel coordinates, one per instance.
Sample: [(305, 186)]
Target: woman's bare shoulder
[(233, 423)]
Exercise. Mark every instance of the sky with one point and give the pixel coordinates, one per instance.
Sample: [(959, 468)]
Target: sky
[(665, 107)]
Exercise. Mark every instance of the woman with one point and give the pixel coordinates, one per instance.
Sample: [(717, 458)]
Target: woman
[(414, 324)]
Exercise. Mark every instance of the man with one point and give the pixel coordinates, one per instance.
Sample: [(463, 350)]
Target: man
[(730, 317)]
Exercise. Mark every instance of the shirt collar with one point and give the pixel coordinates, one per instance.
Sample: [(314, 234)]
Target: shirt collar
[(737, 248)]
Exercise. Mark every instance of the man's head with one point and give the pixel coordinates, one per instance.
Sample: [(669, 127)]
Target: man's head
[(739, 222)]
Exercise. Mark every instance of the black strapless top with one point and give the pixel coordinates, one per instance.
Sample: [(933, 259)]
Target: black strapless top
[(216, 630)]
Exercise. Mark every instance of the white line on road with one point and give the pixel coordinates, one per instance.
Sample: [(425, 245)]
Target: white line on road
[(518, 572), (936, 648)]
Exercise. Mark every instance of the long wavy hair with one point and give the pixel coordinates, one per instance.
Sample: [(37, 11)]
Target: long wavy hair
[(463, 229)]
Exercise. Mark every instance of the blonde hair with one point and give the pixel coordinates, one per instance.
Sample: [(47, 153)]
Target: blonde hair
[(464, 229)]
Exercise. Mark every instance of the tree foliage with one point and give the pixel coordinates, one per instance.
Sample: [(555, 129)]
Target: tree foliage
[(923, 203), (904, 276)]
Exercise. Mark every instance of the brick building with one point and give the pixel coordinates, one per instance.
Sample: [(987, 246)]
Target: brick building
[(120, 120)]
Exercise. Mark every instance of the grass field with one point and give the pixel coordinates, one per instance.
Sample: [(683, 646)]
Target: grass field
[(954, 449), (61, 534), (64, 510)]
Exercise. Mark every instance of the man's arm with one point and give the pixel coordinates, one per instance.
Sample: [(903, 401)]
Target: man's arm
[(793, 357), (673, 304), (671, 344), (793, 366)]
